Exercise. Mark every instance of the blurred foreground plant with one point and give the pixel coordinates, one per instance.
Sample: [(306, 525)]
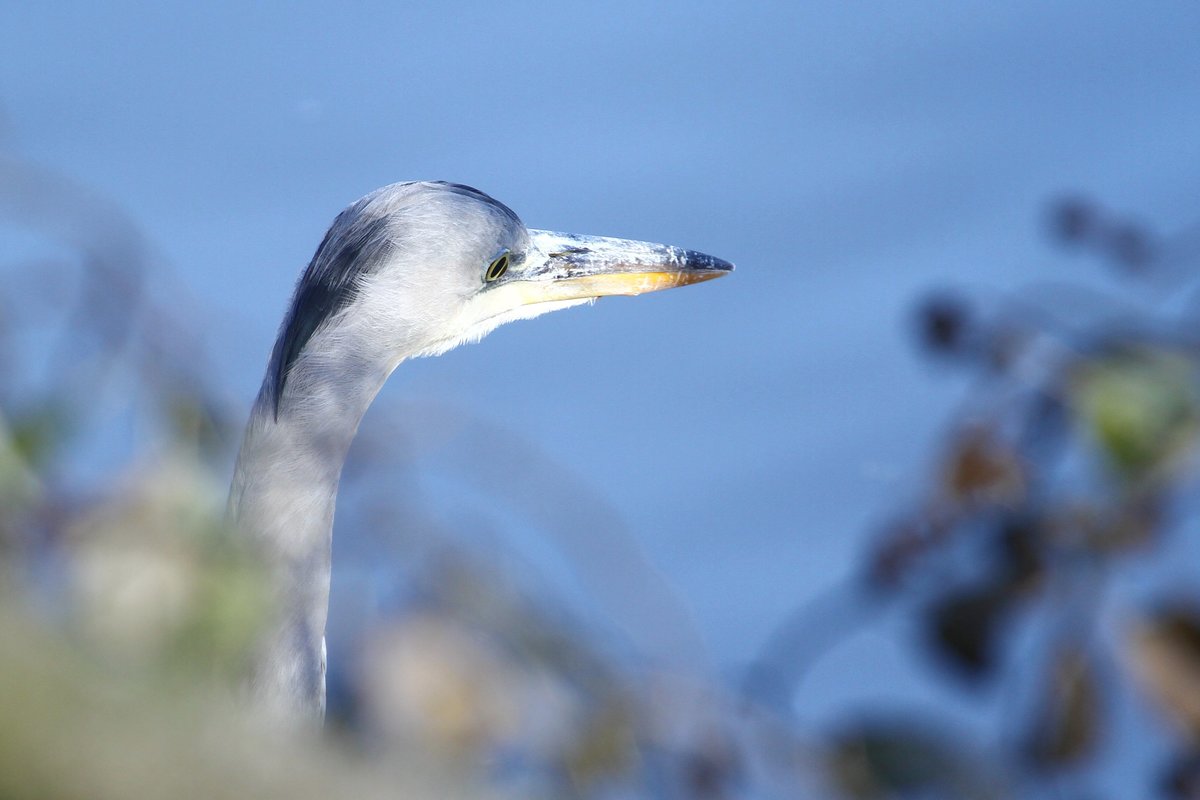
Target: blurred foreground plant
[(1044, 560)]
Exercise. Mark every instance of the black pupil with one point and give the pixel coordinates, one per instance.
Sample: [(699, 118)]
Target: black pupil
[(497, 268)]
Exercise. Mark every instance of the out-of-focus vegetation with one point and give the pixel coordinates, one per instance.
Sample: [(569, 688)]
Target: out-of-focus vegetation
[(1049, 566), (1046, 560)]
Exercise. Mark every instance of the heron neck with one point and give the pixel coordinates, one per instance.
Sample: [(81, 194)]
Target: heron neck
[(283, 495)]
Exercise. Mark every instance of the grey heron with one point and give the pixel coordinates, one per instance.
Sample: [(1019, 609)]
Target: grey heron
[(412, 269)]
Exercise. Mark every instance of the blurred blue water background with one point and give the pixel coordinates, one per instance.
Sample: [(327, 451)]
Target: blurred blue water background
[(747, 433)]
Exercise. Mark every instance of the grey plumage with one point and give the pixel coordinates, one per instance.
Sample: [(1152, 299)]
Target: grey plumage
[(401, 273), (356, 244)]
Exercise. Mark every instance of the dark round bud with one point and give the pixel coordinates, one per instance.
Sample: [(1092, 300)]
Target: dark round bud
[(943, 324), (1073, 219)]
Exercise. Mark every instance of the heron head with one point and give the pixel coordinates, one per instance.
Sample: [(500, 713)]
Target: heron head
[(415, 269)]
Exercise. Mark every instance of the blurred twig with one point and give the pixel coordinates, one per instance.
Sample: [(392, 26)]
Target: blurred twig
[(1075, 452)]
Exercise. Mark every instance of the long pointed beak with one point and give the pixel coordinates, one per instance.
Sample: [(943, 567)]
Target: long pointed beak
[(565, 266)]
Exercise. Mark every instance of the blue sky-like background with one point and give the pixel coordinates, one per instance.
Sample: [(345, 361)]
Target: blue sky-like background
[(748, 432)]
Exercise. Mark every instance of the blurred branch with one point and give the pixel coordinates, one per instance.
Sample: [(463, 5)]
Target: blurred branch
[(1077, 449)]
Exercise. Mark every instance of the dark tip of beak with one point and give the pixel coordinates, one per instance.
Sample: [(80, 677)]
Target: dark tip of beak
[(693, 259)]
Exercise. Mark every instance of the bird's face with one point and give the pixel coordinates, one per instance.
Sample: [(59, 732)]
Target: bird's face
[(479, 267), (414, 269)]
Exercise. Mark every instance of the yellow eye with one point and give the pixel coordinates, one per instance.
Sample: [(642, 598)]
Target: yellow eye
[(497, 268)]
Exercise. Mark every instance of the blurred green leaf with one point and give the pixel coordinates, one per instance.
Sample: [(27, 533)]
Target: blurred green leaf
[(37, 433), (19, 486), (158, 578), (1141, 406), (229, 606)]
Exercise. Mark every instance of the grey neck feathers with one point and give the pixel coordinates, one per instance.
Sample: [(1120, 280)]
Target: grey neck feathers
[(283, 494)]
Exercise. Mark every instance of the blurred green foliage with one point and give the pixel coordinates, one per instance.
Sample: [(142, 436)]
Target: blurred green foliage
[(1141, 406)]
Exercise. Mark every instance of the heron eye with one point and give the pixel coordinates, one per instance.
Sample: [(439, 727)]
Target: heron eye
[(498, 267)]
